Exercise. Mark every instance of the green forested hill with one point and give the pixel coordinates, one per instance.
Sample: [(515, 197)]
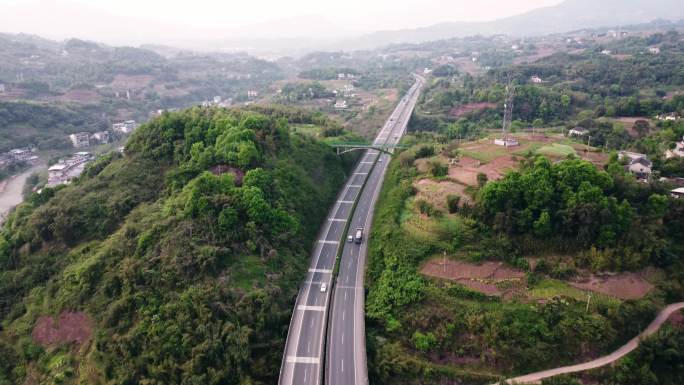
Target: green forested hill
[(156, 270)]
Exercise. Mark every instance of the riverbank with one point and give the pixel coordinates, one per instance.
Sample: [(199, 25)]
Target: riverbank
[(11, 190)]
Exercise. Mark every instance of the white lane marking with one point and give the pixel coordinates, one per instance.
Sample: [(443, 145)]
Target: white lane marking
[(355, 186), (342, 365), (324, 271), (342, 338), (312, 322), (345, 295), (360, 173), (343, 313), (310, 308), (329, 242), (366, 162), (305, 372), (303, 360), (345, 202), (308, 346), (337, 220)]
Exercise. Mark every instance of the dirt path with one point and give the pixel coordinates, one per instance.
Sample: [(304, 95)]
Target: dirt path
[(535, 378)]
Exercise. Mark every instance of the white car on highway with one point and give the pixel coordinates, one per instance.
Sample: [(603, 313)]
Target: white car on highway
[(324, 287)]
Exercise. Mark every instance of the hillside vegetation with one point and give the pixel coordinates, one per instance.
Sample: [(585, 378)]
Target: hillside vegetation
[(540, 226), (176, 263)]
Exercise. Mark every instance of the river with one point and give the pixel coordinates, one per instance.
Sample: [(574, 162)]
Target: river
[(10, 191)]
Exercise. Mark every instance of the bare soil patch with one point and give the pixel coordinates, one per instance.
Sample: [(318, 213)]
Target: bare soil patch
[(466, 109), (436, 192), (491, 278), (466, 169), (629, 124), (131, 82), (80, 96), (69, 327), (623, 286)]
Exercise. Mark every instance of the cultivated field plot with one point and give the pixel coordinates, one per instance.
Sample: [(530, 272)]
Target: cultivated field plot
[(483, 156), (491, 278), (623, 286), (467, 169), (500, 280), (436, 192)]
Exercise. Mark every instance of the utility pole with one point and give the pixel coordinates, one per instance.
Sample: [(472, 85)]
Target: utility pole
[(444, 263), (588, 299)]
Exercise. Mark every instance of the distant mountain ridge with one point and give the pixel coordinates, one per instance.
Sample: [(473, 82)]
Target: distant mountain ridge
[(568, 16)]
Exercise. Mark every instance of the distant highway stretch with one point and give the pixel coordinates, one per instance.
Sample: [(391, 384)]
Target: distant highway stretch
[(535, 378), (303, 359)]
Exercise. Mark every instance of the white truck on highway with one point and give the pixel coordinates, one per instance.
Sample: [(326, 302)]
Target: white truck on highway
[(359, 235)]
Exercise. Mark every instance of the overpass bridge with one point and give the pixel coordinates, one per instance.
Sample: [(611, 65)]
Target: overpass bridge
[(343, 148)]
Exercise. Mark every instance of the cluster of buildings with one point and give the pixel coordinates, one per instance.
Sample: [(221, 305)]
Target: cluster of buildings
[(125, 127), (347, 91), (671, 117), (67, 169), (343, 76), (18, 155), (218, 102), (86, 139)]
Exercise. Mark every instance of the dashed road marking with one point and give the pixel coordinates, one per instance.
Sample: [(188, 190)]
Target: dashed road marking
[(310, 308), (303, 360)]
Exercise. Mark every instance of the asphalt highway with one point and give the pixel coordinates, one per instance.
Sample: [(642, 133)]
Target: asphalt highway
[(303, 360), (346, 348)]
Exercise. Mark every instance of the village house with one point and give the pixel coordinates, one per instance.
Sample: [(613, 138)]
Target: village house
[(637, 164), (578, 131), (125, 127), (252, 94), (677, 193), (340, 104), (536, 79), (654, 50), (80, 139), (101, 137), (677, 152)]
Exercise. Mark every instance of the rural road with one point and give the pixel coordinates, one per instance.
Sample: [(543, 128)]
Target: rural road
[(303, 359), (535, 378)]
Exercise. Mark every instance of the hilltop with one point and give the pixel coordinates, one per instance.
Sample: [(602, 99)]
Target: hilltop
[(173, 263)]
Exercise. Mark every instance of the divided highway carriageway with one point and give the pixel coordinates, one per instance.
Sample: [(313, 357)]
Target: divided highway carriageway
[(329, 310)]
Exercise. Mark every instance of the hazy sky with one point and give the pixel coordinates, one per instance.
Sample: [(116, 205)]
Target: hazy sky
[(351, 15)]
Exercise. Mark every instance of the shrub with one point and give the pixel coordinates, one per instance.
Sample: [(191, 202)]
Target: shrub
[(452, 203), (424, 342)]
